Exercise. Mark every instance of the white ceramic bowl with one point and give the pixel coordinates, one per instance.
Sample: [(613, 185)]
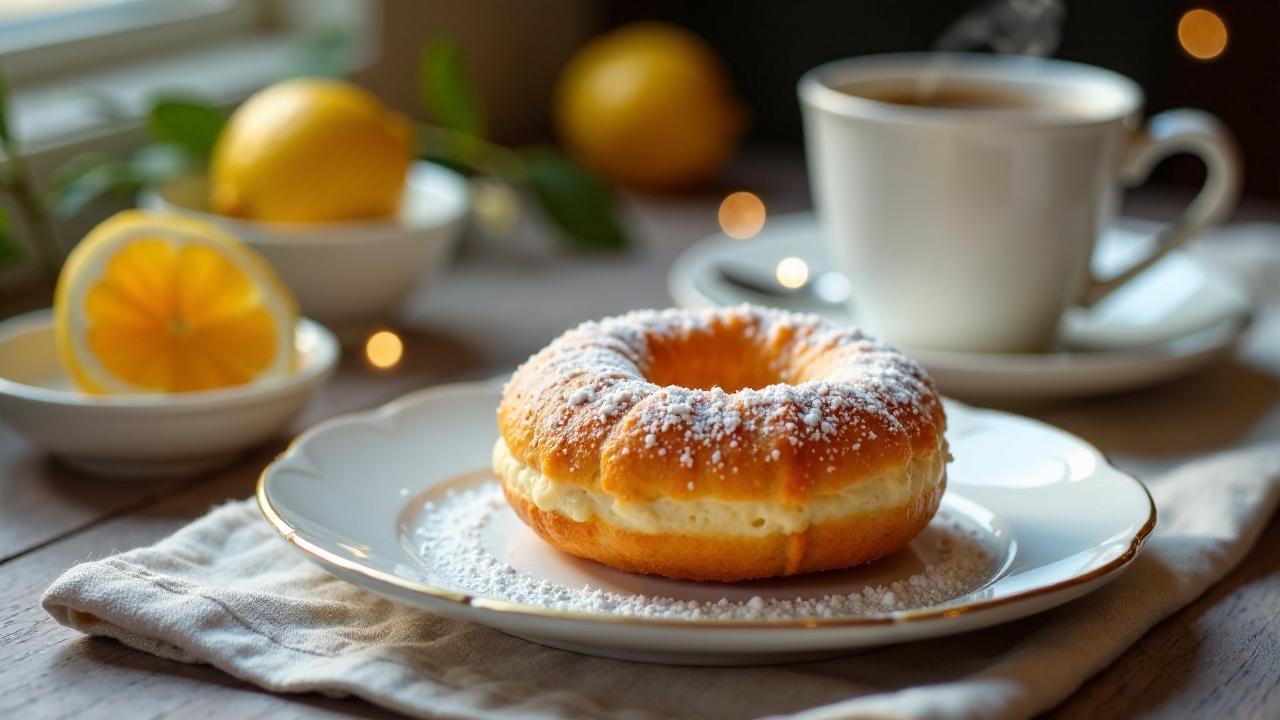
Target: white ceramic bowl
[(347, 275), (146, 436)]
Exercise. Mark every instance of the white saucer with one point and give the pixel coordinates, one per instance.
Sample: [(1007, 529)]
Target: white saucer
[(138, 437), (1055, 519), (1179, 316)]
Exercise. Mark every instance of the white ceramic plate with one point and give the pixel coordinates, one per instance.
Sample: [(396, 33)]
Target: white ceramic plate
[(1179, 316), (1057, 520), (136, 437)]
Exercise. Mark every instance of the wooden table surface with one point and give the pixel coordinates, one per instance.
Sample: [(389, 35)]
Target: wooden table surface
[(502, 300)]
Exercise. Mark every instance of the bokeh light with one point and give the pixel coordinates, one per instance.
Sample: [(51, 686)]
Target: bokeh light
[(1202, 34), (792, 272), (832, 286), (742, 215), (384, 349)]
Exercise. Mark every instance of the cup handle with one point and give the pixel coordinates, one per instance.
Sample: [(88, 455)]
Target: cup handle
[(1170, 133)]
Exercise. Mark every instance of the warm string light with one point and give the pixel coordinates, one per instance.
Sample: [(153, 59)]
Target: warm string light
[(792, 272), (384, 349), (1202, 34), (742, 215)]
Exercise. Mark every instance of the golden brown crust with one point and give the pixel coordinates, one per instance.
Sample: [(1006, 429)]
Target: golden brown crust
[(620, 434), (738, 404), (824, 546)]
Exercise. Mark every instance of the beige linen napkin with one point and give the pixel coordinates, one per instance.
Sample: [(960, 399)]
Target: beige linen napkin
[(226, 591)]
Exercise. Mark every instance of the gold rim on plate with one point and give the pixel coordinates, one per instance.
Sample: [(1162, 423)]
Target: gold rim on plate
[(290, 534)]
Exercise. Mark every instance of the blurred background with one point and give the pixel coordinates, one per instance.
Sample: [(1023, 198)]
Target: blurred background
[(768, 44), (125, 49), (82, 74)]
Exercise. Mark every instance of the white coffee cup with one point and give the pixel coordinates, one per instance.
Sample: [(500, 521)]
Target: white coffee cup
[(971, 228)]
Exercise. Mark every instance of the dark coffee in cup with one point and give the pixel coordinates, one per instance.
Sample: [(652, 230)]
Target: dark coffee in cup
[(969, 98)]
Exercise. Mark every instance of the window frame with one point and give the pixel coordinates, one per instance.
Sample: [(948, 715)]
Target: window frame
[(219, 57), (219, 50), (44, 48)]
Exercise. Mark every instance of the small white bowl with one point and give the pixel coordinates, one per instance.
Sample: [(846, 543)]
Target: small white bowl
[(146, 436), (347, 275)]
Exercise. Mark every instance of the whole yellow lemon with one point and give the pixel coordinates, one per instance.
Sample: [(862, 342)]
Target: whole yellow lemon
[(649, 105), (311, 150)]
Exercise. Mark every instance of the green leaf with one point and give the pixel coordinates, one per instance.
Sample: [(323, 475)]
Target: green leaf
[(324, 52), (86, 178), (5, 137), (191, 125), (574, 200), (447, 94), (453, 163), (10, 250)]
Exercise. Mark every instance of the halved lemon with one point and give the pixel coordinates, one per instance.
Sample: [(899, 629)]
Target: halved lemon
[(153, 303)]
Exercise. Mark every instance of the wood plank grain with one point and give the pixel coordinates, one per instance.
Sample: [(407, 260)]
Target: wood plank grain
[(1219, 657), (52, 671), (40, 501)]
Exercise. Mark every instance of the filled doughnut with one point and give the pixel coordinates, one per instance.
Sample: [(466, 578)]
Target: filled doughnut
[(722, 444)]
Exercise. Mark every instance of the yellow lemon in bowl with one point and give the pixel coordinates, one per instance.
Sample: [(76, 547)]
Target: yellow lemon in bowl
[(649, 105), (311, 151), (155, 303)]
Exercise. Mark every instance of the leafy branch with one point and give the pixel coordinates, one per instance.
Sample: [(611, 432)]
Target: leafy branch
[(16, 181), (572, 199), (184, 130)]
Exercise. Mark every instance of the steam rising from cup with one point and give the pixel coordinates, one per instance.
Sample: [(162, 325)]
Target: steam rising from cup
[(1008, 27)]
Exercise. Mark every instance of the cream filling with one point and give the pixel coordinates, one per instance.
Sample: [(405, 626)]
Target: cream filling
[(753, 518)]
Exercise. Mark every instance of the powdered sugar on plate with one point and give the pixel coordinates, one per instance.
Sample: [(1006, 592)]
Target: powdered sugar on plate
[(452, 534)]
